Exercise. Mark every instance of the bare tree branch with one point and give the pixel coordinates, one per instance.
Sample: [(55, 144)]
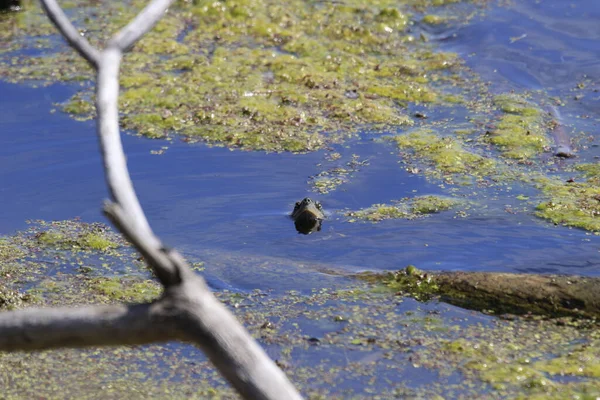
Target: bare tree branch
[(162, 265), (141, 24), (36, 329), (78, 42), (187, 310)]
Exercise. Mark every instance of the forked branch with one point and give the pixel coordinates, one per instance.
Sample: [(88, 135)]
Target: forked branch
[(187, 310)]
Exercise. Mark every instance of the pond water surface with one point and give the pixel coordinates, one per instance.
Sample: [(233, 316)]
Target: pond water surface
[(229, 207), (215, 203)]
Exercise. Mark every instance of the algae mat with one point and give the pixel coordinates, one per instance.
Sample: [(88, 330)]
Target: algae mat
[(302, 76), (350, 342), (252, 74)]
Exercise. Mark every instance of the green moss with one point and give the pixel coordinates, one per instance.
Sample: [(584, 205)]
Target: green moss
[(96, 242), (407, 208), (432, 204), (446, 154), (582, 360), (253, 74), (125, 289), (570, 203), (431, 19), (520, 132)]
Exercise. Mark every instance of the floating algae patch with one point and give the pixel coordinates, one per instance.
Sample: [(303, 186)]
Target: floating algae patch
[(445, 154), (335, 176), (408, 208), (352, 342), (125, 289), (74, 234), (572, 203), (255, 74), (520, 132), (348, 343), (58, 248)]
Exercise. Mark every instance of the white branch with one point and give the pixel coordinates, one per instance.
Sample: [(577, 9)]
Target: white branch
[(36, 329), (187, 310), (78, 42), (141, 24)]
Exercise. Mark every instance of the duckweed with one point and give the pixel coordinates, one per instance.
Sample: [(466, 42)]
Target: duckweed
[(521, 131), (251, 73), (383, 333), (407, 208), (574, 204), (432, 204), (446, 154)]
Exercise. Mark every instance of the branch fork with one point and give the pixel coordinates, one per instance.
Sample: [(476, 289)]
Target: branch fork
[(187, 310)]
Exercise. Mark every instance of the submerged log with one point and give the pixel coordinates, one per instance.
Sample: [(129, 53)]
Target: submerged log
[(503, 293)]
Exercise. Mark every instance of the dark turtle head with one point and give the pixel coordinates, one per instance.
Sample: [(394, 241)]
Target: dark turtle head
[(308, 216)]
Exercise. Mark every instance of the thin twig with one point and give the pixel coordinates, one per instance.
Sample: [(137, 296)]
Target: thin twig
[(141, 24), (187, 310), (37, 329), (78, 42)]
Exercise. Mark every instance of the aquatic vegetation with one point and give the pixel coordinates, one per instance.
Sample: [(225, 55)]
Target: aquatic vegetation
[(253, 73), (573, 203), (432, 204), (335, 176), (446, 154), (9, 251), (378, 212), (490, 356), (76, 235), (520, 132), (123, 289), (407, 208)]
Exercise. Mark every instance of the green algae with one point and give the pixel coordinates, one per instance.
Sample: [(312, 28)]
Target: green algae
[(378, 212), (252, 74), (75, 235), (574, 204), (380, 335), (581, 360), (447, 155), (431, 19), (96, 242), (124, 289), (412, 281), (12, 299), (9, 251), (407, 208), (432, 204), (521, 131), (340, 173)]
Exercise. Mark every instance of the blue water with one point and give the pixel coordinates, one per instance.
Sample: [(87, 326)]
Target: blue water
[(223, 206), (228, 208)]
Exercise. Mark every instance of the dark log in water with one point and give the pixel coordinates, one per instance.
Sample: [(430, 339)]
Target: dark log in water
[(561, 138), (503, 293)]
